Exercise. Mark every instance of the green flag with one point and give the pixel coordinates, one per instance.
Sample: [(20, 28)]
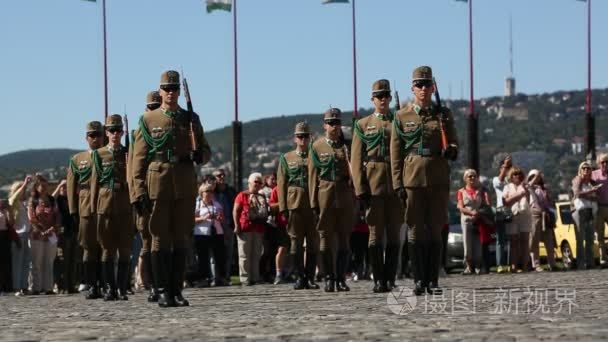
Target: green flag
[(223, 5), (334, 1)]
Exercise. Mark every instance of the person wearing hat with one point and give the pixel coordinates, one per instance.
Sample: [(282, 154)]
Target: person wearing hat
[(294, 204), (421, 176), (144, 266), (543, 221), (332, 199), (110, 194), (164, 184), (600, 176), (370, 160), (82, 209)]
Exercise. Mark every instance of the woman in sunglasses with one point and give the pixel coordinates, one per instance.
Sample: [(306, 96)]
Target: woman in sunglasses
[(516, 195), (584, 189)]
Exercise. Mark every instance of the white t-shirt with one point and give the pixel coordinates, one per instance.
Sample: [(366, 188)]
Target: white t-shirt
[(204, 227), (498, 189), (521, 206)]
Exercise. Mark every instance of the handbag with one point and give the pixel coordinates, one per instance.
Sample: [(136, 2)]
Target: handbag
[(503, 214)]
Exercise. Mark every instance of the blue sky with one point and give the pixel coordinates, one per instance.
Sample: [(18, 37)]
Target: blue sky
[(294, 56)]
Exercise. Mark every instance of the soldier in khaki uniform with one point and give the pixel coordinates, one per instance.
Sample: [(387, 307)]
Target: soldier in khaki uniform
[(164, 182), (421, 175), (294, 203), (153, 101), (83, 210), (110, 193), (373, 185), (332, 199)]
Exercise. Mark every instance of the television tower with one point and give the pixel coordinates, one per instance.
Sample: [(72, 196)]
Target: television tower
[(510, 80)]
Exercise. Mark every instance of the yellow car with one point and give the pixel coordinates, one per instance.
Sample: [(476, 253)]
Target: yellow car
[(565, 238)]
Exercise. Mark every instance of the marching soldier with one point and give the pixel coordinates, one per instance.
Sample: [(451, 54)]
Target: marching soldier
[(164, 182), (373, 185), (110, 193), (421, 175), (294, 203), (153, 101), (82, 208), (332, 199)]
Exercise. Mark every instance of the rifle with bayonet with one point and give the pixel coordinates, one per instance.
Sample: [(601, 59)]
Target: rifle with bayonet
[(193, 142), (397, 102), (446, 150)]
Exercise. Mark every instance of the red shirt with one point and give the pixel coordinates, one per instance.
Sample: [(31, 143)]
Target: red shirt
[(280, 220), (242, 199)]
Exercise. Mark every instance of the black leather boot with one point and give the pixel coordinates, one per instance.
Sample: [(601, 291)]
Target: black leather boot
[(341, 265), (109, 280), (149, 280), (417, 268), (390, 265), (178, 273), (328, 265), (433, 257), (375, 256), (90, 275), (297, 261), (311, 268), (161, 266), (123, 280)]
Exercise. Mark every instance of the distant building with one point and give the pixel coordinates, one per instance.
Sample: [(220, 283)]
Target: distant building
[(509, 86), (517, 113)]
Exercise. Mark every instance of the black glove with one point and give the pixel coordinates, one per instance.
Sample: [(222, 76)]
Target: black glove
[(366, 199), (285, 214), (451, 153), (143, 205), (76, 220), (196, 156), (402, 194), (315, 211)]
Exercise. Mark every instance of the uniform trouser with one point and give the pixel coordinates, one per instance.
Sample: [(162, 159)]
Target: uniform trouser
[(21, 259), (65, 262), (115, 235), (385, 214), (584, 238), (87, 237), (540, 233), (43, 256), (600, 220), (301, 225), (358, 244), (5, 262), (426, 214), (142, 223), (171, 223), (250, 250), (335, 226)]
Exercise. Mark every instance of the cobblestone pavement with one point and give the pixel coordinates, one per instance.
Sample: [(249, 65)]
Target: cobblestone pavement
[(531, 306)]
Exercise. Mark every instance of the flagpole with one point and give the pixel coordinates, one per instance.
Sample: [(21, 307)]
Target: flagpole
[(355, 113), (105, 62), (589, 118), (473, 143), (237, 128)]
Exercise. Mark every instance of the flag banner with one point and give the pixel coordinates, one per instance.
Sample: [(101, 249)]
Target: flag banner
[(223, 5), (462, 0), (334, 1), (91, 0)]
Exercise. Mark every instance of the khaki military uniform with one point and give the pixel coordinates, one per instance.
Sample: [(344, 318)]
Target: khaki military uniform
[(372, 176), (332, 195), (80, 203), (163, 171), (419, 164), (110, 192), (292, 184)]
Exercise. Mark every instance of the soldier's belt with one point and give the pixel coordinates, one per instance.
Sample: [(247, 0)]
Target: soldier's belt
[(116, 186), (173, 160), (337, 179), (379, 159), (83, 186), (425, 152)]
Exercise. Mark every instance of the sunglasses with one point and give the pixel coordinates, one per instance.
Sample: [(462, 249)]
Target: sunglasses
[(220, 175), (585, 168), (94, 134), (302, 136), (153, 106), (333, 122), (381, 96), (169, 89), (421, 84), (114, 130)]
